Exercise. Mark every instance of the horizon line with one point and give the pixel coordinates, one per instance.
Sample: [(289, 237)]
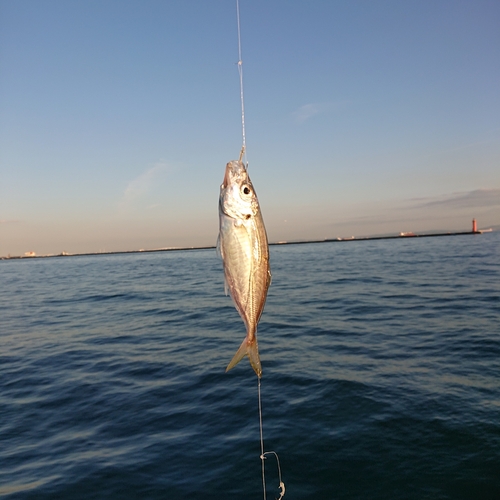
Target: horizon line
[(293, 242)]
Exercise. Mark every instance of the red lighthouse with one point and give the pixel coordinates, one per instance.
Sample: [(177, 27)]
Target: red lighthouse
[(474, 226)]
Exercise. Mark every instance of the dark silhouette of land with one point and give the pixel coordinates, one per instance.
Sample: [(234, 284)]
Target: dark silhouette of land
[(299, 242)]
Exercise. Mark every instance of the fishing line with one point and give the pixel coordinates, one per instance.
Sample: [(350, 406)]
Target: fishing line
[(243, 154), (240, 71), (264, 453)]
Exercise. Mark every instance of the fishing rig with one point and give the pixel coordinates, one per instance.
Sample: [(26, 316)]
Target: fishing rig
[(264, 453), (243, 155), (240, 72)]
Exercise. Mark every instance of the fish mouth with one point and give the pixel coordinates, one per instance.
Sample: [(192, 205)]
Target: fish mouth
[(227, 176), (234, 170)]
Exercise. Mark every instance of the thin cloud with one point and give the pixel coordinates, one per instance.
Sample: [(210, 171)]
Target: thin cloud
[(494, 138), (307, 111), (9, 221), (142, 184), (470, 199)]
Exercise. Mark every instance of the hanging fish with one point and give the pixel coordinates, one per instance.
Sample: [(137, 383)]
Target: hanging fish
[(243, 247)]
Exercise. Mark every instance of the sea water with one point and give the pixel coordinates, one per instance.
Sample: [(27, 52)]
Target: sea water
[(381, 375)]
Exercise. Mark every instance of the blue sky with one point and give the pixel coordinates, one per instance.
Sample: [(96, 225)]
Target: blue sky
[(117, 118)]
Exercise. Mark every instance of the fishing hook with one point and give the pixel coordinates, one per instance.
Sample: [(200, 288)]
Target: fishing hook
[(282, 484), (282, 490)]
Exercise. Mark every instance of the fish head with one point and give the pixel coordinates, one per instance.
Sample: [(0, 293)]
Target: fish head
[(237, 195)]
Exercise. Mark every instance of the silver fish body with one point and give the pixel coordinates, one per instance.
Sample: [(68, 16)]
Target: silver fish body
[(244, 250)]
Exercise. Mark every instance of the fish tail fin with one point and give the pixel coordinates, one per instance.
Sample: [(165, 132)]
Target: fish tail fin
[(248, 348)]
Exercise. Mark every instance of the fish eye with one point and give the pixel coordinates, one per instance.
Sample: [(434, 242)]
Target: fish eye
[(246, 190)]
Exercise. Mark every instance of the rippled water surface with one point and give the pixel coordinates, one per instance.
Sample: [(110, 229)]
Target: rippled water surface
[(381, 378)]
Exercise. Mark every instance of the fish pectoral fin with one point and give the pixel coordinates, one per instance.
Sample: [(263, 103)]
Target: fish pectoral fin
[(250, 349)]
